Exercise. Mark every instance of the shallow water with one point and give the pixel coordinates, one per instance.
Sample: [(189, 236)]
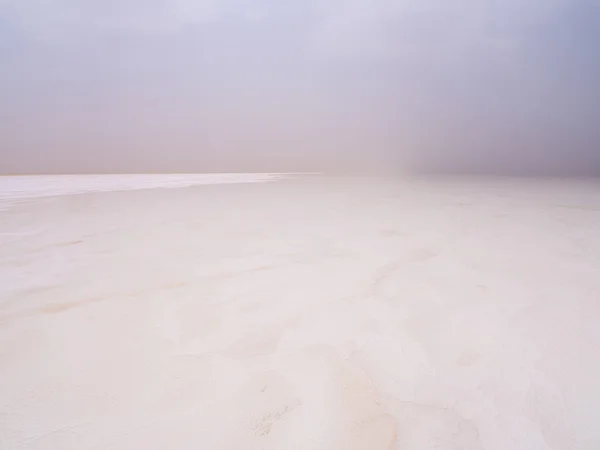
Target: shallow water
[(303, 313)]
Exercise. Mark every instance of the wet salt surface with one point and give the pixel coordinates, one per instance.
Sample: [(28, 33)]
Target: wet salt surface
[(306, 313), (15, 188)]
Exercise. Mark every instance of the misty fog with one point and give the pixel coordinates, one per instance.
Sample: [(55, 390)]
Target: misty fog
[(504, 87)]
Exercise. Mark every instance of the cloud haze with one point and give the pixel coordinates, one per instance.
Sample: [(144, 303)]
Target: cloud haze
[(507, 86)]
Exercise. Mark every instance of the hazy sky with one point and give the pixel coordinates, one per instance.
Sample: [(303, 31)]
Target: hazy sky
[(503, 86)]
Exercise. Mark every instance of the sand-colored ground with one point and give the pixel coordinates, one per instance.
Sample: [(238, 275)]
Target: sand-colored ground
[(308, 313)]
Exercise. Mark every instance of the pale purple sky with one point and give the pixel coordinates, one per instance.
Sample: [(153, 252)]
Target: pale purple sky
[(504, 86)]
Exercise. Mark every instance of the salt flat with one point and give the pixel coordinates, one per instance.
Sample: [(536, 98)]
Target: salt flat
[(303, 313)]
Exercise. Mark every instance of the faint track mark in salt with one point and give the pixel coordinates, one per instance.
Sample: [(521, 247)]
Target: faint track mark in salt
[(60, 307), (56, 308), (264, 425), (51, 433), (388, 270)]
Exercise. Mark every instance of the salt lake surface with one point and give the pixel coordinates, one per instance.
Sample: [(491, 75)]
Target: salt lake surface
[(302, 312)]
